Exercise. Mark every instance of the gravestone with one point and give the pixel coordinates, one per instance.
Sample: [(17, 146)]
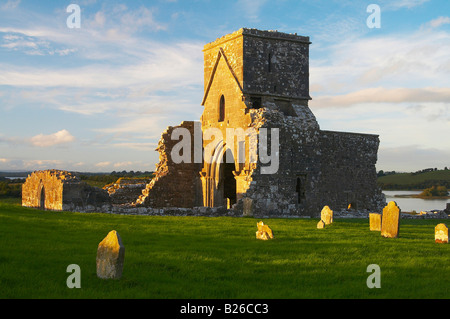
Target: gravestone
[(264, 232), (320, 224), (441, 234), (375, 222), (248, 207), (390, 221), (110, 257), (326, 215)]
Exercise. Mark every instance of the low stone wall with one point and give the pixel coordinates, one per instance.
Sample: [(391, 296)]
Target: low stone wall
[(223, 212)]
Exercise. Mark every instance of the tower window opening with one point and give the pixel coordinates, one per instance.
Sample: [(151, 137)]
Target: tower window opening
[(222, 109)]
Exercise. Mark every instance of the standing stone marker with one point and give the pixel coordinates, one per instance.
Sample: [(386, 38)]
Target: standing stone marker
[(110, 257), (441, 234), (375, 222), (326, 215), (320, 224), (390, 220), (264, 232), (248, 207)]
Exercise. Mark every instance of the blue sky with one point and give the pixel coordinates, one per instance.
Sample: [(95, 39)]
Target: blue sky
[(97, 98)]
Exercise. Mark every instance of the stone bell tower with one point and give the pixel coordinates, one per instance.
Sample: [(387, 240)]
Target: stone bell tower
[(243, 72)]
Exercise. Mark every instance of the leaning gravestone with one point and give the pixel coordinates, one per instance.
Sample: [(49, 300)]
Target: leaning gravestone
[(375, 222), (326, 215), (441, 234), (321, 224), (110, 257), (264, 232), (390, 220)]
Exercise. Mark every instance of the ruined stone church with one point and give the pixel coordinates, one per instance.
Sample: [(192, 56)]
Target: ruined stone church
[(255, 83), (260, 80)]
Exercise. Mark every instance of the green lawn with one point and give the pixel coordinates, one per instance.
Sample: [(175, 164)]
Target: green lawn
[(415, 181), (217, 258)]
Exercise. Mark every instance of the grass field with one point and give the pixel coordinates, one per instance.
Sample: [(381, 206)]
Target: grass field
[(415, 181), (217, 258)]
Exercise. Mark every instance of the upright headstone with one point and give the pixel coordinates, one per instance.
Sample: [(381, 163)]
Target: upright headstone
[(375, 222), (326, 215), (248, 207), (110, 257), (390, 221), (441, 234), (264, 232)]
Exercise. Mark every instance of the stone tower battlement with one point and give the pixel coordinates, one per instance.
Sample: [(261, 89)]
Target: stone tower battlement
[(264, 63)]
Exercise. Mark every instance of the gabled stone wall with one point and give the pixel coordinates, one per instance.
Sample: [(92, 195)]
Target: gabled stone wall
[(61, 190)]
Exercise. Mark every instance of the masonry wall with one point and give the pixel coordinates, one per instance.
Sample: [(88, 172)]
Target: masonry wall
[(348, 172), (60, 190), (276, 63), (292, 190), (174, 184), (316, 168), (46, 186), (232, 45)]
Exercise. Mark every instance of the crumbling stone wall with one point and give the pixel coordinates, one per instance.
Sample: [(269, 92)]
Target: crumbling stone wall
[(125, 190), (174, 185), (61, 190)]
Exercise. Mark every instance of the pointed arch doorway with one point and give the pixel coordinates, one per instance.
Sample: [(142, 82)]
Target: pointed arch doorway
[(218, 178)]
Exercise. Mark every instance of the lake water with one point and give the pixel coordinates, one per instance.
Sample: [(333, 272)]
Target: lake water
[(417, 204)]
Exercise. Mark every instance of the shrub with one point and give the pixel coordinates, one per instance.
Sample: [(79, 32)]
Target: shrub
[(435, 191)]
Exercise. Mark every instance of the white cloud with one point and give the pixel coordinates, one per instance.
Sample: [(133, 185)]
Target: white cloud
[(439, 21), (145, 146), (103, 164), (39, 164), (164, 68), (58, 138), (418, 59), (141, 125), (398, 4), (399, 158), (385, 95), (251, 8), (123, 164), (10, 5)]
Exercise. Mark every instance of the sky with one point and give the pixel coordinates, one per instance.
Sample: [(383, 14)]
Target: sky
[(97, 98)]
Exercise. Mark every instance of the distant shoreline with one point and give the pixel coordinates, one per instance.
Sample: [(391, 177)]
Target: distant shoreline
[(422, 197)]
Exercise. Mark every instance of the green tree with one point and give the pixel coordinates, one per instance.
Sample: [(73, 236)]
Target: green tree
[(435, 191)]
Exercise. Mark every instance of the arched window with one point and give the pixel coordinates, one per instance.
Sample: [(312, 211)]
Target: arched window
[(222, 109)]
